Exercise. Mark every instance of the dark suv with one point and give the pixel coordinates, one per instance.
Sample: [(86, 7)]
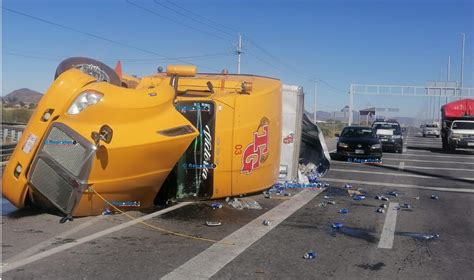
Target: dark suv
[(390, 135)]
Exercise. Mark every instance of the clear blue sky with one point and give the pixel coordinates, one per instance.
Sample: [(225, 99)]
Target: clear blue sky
[(404, 42)]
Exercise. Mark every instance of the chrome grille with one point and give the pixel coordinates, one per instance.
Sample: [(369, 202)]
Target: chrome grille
[(65, 150), (51, 185), (61, 167)]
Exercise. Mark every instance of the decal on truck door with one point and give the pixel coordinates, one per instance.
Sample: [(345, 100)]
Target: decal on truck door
[(256, 152)]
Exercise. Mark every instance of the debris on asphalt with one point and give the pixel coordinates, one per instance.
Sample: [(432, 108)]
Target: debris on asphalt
[(310, 255), (393, 193), (434, 197), (343, 211), (416, 198), (107, 212), (381, 197), (213, 223), (381, 210), (358, 197), (332, 202), (337, 225), (421, 236), (354, 192), (347, 186), (327, 197), (216, 205), (322, 204), (384, 206), (244, 204), (267, 223), (405, 205)]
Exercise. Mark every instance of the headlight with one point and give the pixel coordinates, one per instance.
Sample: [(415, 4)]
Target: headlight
[(376, 146), (396, 136), (456, 135), (84, 100), (342, 145)]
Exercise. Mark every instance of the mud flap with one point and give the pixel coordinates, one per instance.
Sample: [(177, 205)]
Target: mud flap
[(313, 147)]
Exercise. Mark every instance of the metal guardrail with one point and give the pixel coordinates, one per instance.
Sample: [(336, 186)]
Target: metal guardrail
[(6, 150), (10, 134)]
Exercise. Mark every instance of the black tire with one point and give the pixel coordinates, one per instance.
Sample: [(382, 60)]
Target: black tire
[(424, 135), (100, 71), (437, 136)]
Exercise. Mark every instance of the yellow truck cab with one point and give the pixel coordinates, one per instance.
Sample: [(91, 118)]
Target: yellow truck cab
[(197, 136)]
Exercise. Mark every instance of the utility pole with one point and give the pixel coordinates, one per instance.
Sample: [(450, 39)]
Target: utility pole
[(239, 52), (315, 98), (351, 92), (462, 64)]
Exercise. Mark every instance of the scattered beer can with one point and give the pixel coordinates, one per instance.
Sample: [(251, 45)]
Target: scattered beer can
[(405, 205), (267, 223), (213, 224), (337, 225), (358, 197), (381, 210), (434, 197), (309, 255), (107, 212), (332, 202), (216, 205), (392, 193), (384, 206), (343, 211), (416, 198), (347, 186)]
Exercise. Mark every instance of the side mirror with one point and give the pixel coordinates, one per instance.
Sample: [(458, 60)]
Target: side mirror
[(337, 134), (105, 134)]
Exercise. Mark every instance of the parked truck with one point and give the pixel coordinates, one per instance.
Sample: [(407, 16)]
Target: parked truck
[(458, 124)]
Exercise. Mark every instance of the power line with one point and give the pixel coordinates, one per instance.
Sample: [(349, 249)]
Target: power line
[(205, 18), (126, 60), (99, 37), (175, 21), (194, 19)]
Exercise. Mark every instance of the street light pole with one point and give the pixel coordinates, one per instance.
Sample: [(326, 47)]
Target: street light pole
[(462, 64)]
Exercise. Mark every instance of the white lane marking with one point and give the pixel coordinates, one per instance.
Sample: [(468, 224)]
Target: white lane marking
[(394, 174), (32, 250), (435, 161), (388, 231), (345, 163), (401, 165), (214, 258), (45, 254), (404, 149), (407, 186), (431, 155)]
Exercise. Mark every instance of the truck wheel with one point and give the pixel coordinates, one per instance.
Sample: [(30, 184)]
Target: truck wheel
[(89, 66)]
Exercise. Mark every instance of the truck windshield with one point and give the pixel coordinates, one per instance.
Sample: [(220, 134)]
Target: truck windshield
[(463, 125)]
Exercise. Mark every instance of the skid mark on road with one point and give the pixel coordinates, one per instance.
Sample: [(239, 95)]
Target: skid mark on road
[(388, 231)]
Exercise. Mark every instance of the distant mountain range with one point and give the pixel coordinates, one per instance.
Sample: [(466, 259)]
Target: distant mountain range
[(24, 95)]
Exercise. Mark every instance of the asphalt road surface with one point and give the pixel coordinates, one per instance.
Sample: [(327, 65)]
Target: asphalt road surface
[(370, 245)]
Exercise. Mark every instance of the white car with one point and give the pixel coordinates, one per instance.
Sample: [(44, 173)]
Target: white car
[(431, 129)]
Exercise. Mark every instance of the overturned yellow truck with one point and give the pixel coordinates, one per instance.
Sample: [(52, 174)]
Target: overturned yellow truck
[(135, 141)]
